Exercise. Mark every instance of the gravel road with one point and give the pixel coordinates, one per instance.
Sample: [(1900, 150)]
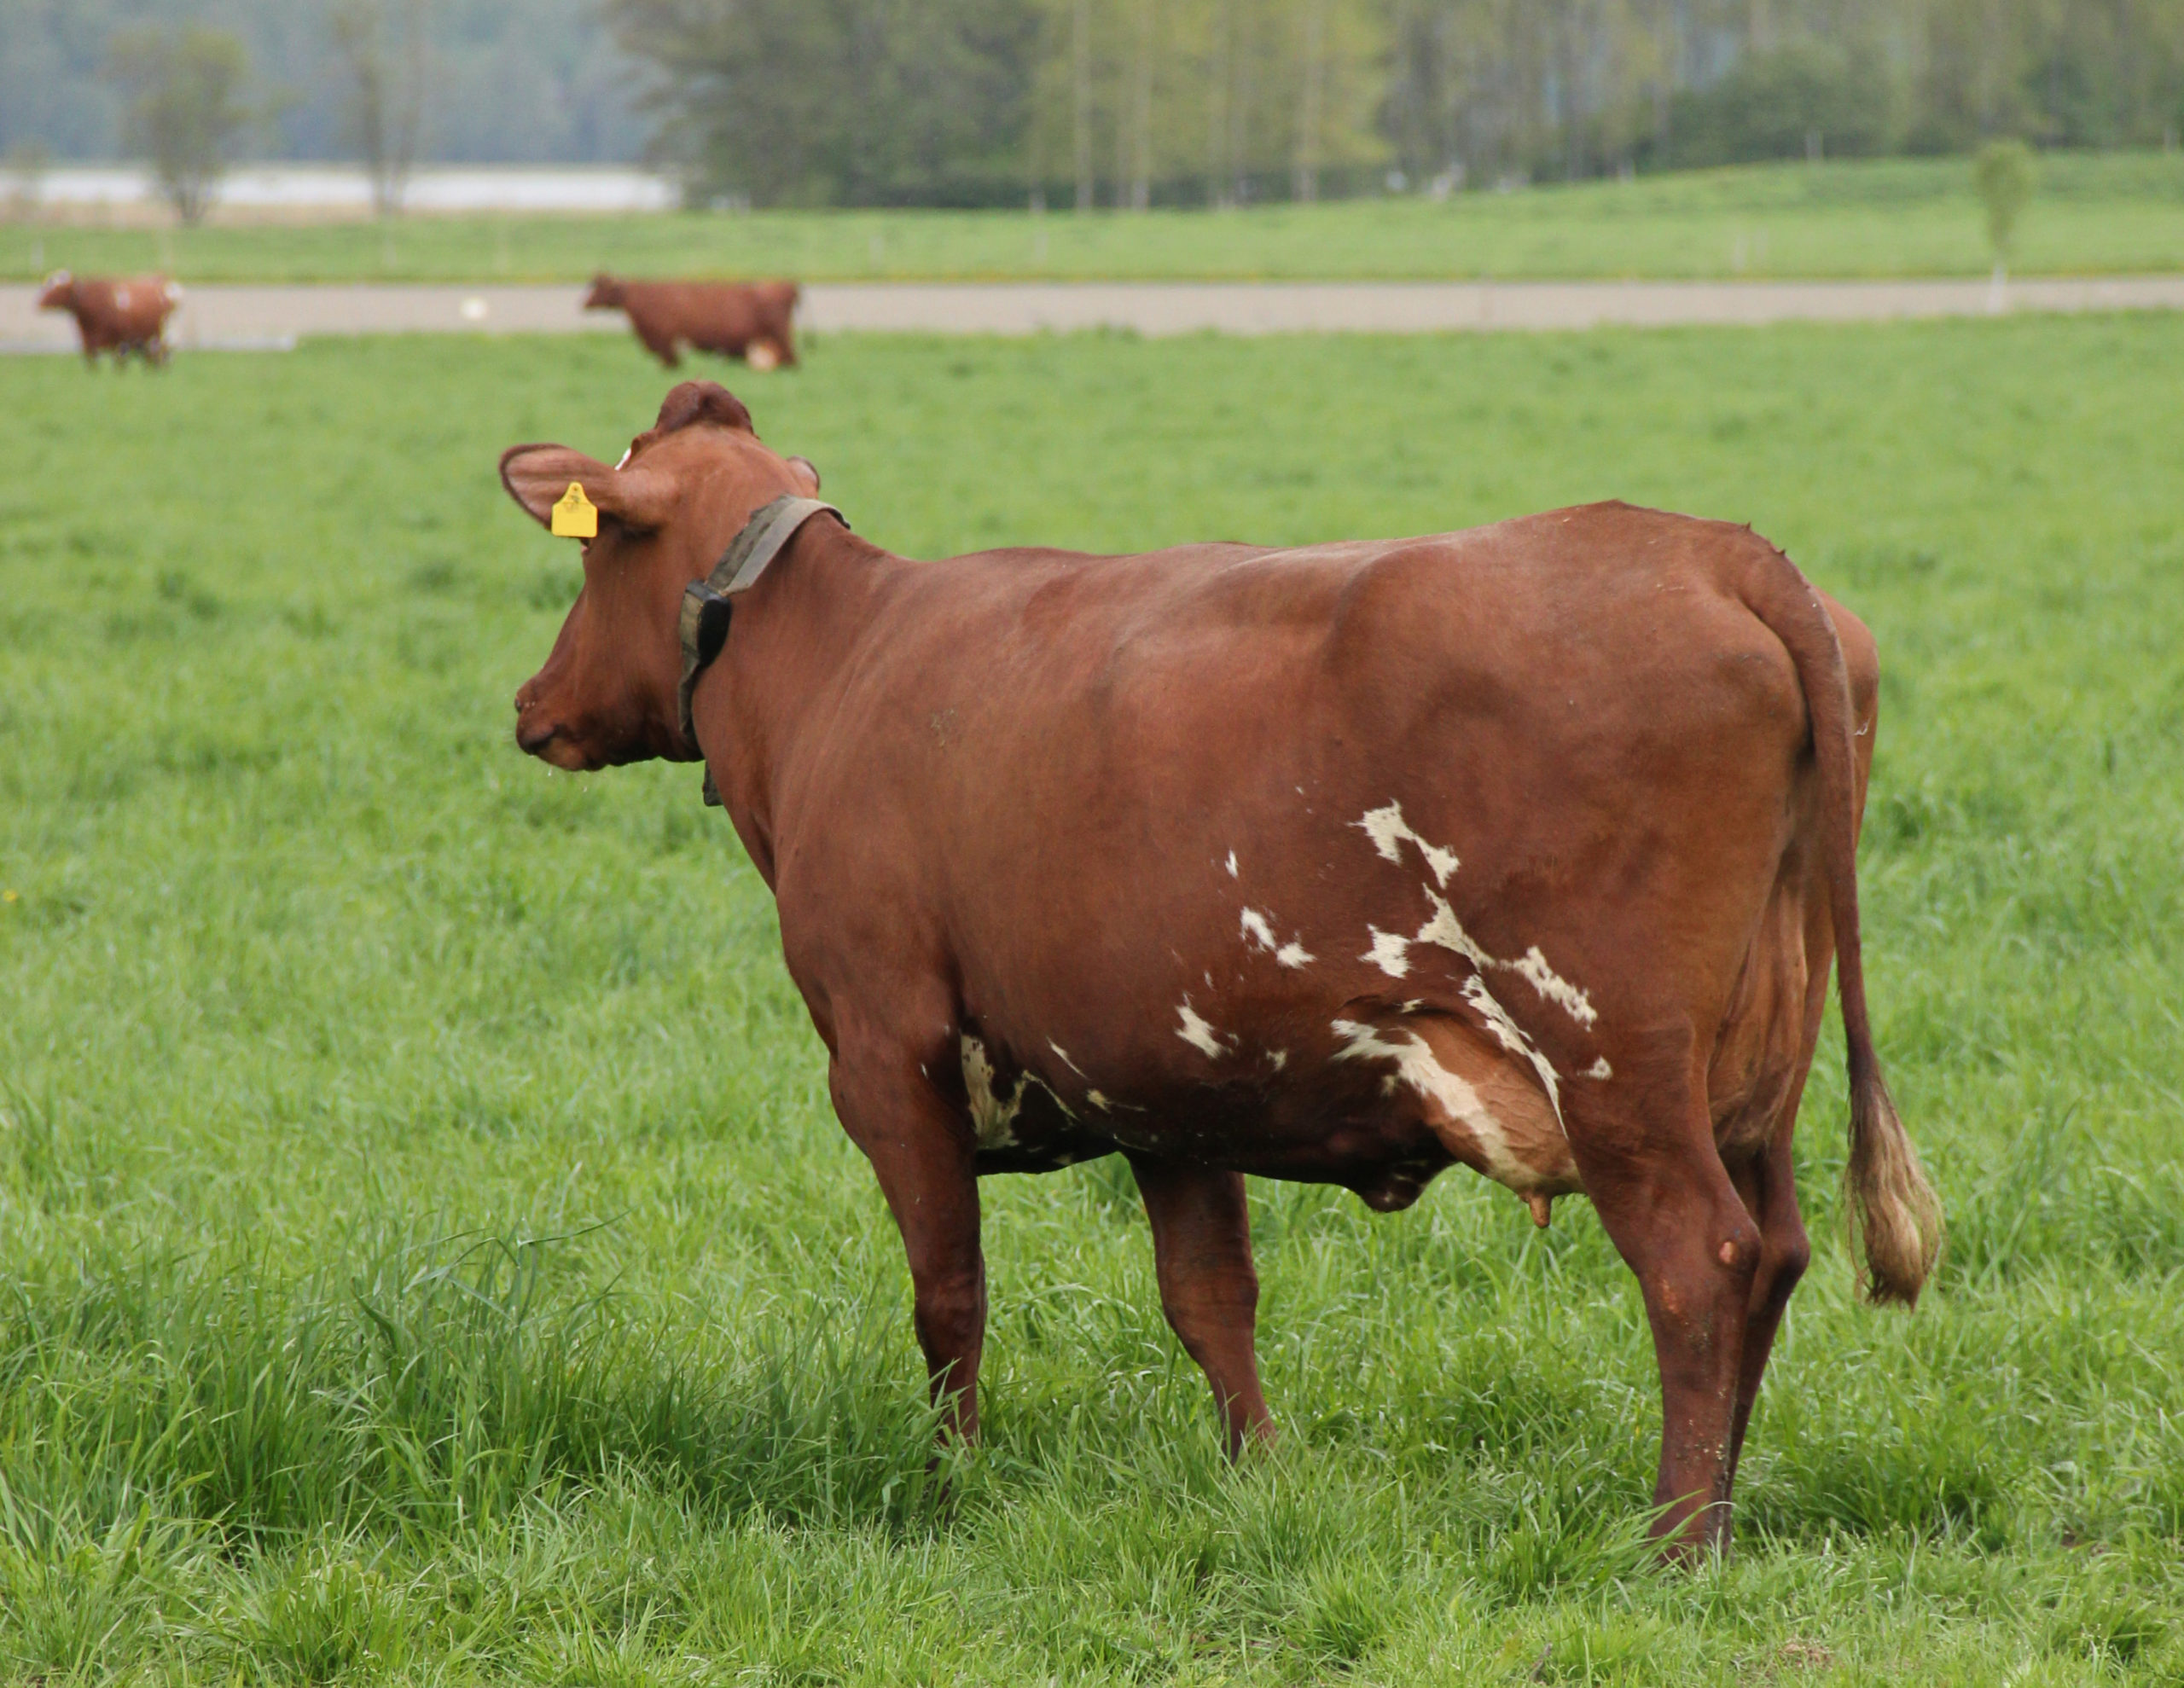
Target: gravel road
[(255, 318)]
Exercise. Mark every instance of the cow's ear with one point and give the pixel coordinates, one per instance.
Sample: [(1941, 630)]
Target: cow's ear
[(537, 476), (807, 475)]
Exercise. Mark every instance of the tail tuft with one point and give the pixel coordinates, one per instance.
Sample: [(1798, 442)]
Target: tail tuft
[(1889, 1200)]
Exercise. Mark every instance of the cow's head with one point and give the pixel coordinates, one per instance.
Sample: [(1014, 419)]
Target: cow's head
[(59, 292), (606, 293), (666, 512)]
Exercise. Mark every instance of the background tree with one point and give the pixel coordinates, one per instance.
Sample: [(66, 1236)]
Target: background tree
[(185, 107), (839, 101), (2003, 174), (383, 47), (1209, 101)]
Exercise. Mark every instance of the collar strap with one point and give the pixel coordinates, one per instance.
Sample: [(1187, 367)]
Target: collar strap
[(706, 603)]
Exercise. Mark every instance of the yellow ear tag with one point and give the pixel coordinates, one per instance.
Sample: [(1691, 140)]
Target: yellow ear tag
[(575, 516)]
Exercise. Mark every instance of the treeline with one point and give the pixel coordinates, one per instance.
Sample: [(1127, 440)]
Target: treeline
[(503, 81), (1133, 102)]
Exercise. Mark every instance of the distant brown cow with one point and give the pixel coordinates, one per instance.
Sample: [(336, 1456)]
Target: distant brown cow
[(117, 314), (1528, 847), (751, 320)]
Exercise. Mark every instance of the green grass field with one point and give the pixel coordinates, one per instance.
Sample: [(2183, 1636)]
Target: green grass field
[(427, 1253), (2093, 214)]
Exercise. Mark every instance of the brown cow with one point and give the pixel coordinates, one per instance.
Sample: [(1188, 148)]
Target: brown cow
[(751, 320), (117, 314), (1527, 847)]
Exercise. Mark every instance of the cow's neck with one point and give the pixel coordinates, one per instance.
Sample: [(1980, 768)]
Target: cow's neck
[(775, 688)]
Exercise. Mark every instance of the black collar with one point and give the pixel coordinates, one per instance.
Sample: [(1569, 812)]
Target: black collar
[(706, 603)]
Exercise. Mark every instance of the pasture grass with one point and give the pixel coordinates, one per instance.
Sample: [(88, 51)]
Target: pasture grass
[(426, 1254), (2093, 213)]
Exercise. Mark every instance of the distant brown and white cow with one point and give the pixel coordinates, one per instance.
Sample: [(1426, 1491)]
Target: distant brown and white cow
[(1527, 847), (754, 320), (117, 314)]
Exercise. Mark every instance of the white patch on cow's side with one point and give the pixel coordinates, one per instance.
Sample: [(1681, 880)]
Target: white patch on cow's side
[(1232, 864), (1417, 1066), (1445, 929), (1511, 1036), (1278, 1058), (1532, 967), (1065, 1061), (1388, 829), (1096, 1099), (1599, 1069), (623, 461), (1196, 1032), (121, 299), (1391, 953), (1259, 930), (991, 1119)]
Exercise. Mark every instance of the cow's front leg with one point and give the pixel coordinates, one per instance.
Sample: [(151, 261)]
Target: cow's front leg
[(1209, 1288), (921, 1149)]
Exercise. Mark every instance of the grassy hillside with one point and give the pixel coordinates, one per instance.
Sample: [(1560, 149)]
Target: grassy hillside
[(428, 1254), (2106, 213)]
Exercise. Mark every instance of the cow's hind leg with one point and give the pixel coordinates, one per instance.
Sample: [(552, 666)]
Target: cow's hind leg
[(1767, 1186), (923, 1154), (1209, 1288), (1657, 1180)]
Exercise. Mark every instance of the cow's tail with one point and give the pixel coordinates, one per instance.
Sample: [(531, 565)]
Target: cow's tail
[(1888, 1201)]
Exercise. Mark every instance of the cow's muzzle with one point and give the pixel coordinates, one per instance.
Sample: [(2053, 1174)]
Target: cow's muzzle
[(537, 733)]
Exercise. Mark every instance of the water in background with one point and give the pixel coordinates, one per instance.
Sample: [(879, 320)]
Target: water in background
[(322, 189)]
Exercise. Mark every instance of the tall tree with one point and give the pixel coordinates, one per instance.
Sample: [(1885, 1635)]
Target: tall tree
[(185, 107), (1311, 95), (1080, 98), (840, 102), (383, 49), (1140, 179)]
